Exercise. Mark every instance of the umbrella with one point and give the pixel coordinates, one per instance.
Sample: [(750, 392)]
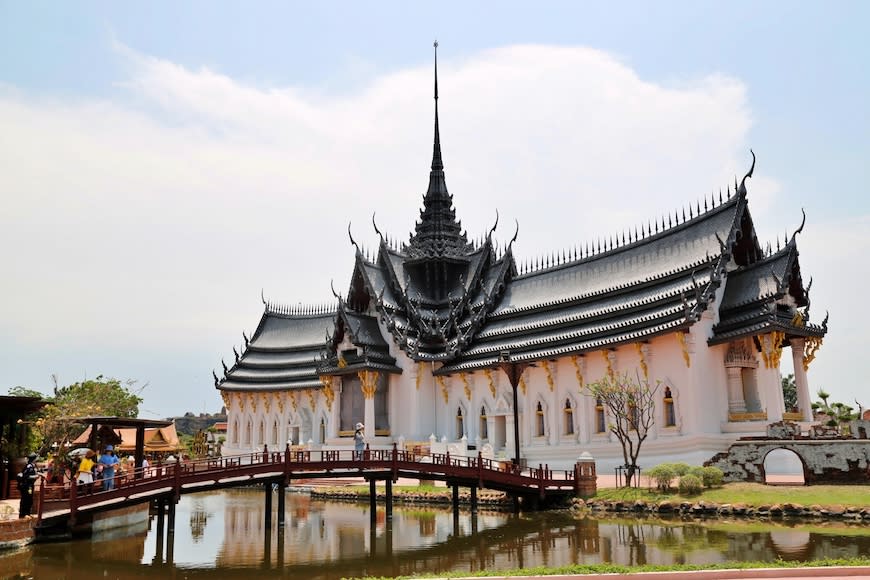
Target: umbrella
[(79, 451)]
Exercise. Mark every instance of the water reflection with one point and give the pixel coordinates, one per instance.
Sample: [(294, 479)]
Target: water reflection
[(223, 534)]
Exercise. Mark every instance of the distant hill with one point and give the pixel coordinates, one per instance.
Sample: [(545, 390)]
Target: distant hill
[(190, 424)]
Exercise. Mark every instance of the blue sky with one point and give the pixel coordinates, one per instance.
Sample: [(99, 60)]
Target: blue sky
[(131, 259)]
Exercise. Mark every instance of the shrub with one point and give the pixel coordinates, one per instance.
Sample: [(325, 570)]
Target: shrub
[(711, 476), (663, 475), (690, 484), (681, 468)]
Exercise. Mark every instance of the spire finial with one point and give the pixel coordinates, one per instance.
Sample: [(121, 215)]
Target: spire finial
[(437, 164)]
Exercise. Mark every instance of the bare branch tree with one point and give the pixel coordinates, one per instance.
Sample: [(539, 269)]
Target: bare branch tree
[(630, 407)]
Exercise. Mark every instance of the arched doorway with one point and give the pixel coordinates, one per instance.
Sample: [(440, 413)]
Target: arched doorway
[(783, 467)]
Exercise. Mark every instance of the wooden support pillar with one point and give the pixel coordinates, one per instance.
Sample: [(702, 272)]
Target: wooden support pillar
[(267, 543), (473, 499), (282, 497), (516, 504), (170, 531), (373, 503), (161, 513), (389, 491), (267, 489), (455, 501), (139, 452), (280, 548)]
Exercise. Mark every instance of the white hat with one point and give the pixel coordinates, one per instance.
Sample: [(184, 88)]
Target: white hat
[(359, 425)]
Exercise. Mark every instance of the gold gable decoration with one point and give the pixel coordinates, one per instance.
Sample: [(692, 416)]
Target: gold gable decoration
[(811, 347), (578, 372), (281, 399), (681, 336), (267, 402), (252, 399), (419, 377), (643, 365), (608, 362), (550, 382), (523, 383), (368, 383), (226, 398), (464, 377), (312, 402), (489, 377), (294, 401), (328, 393), (240, 400), (771, 348), (444, 392)]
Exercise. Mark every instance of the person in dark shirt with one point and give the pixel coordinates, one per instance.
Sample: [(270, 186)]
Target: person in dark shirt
[(26, 482)]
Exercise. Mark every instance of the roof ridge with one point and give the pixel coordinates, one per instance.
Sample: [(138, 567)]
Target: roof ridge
[(301, 309), (589, 252)]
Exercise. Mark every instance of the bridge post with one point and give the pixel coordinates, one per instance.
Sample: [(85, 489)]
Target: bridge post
[(280, 548), (282, 492), (473, 499), (170, 518), (177, 483), (455, 500), (267, 487), (73, 501), (170, 533), (161, 511), (373, 503), (395, 467), (389, 490)]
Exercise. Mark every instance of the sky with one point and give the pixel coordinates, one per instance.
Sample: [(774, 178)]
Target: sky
[(162, 164)]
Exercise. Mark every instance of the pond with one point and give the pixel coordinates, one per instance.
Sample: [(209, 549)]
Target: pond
[(221, 534)]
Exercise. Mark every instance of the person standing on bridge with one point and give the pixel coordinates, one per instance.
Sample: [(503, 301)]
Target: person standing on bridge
[(26, 482), (109, 463), (359, 441)]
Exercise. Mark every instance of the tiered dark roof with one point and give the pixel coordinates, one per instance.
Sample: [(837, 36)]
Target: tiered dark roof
[(442, 298), (284, 352)]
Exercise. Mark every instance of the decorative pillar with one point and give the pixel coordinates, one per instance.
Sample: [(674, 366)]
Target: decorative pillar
[(800, 378), (369, 385)]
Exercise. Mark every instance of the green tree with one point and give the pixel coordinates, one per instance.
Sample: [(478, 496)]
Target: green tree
[(630, 406), (789, 392), (98, 397)]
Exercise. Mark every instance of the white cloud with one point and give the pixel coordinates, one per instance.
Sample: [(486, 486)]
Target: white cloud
[(154, 218)]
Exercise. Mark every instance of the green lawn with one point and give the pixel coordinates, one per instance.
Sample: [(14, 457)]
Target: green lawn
[(754, 494)]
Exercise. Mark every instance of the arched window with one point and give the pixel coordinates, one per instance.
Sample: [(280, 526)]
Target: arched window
[(539, 420), (236, 432), (460, 423), (261, 433), (322, 430), (249, 429), (600, 420), (670, 413), (275, 433), (484, 428), (568, 414)]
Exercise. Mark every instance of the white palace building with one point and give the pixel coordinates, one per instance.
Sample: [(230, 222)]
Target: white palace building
[(411, 349)]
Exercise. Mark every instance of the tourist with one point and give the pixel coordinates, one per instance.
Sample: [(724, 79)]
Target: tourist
[(85, 471), (108, 461), (146, 467), (359, 441), (26, 482)]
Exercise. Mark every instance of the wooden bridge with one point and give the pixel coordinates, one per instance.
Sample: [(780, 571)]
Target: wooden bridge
[(535, 487)]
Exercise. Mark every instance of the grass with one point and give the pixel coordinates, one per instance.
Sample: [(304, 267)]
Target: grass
[(753, 494), (617, 569)]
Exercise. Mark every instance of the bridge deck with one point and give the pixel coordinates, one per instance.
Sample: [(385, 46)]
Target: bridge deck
[(280, 467)]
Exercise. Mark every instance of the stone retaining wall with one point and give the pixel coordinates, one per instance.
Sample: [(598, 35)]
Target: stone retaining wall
[(16, 533), (709, 509)]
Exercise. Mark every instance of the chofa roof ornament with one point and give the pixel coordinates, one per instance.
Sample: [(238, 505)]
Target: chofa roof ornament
[(742, 189)]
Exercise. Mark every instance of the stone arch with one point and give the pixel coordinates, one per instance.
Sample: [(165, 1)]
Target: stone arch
[(783, 465)]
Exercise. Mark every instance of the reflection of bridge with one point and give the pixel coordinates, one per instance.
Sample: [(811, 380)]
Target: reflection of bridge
[(167, 483)]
